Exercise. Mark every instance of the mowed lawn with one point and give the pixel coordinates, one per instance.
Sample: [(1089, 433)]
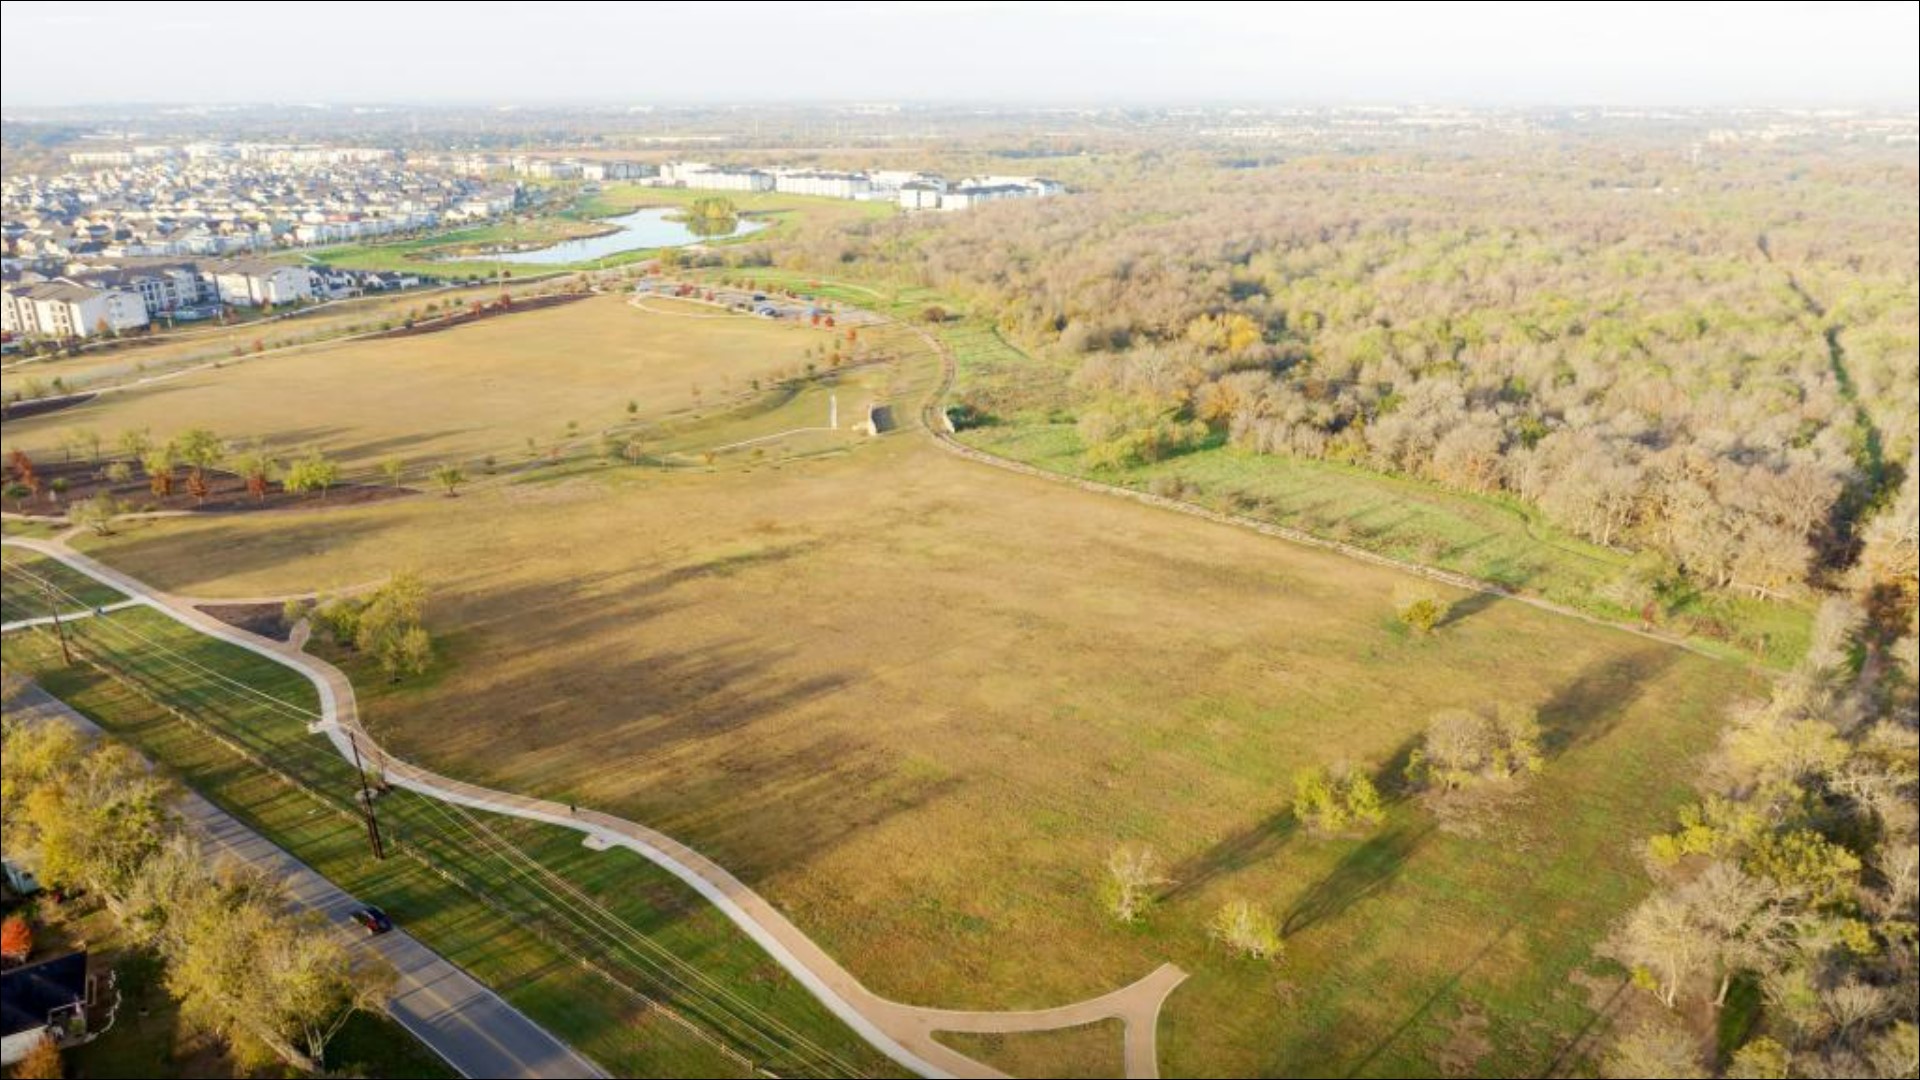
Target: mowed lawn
[(917, 701), (27, 577), (463, 393)]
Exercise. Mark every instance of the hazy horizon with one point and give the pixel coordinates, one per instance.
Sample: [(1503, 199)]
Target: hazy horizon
[(1627, 55)]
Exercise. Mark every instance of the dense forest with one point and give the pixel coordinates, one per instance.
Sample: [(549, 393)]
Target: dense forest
[(1703, 352)]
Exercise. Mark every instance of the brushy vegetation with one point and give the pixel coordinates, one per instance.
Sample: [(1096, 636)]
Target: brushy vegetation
[(1786, 907), (1712, 363)]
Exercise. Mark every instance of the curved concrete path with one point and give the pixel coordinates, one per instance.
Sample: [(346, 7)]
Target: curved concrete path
[(902, 1032)]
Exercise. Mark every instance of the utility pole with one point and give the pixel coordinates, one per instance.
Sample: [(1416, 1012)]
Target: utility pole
[(366, 802), (59, 628)]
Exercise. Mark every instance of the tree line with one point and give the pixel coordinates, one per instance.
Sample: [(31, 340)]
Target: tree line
[(93, 817), (1715, 362)]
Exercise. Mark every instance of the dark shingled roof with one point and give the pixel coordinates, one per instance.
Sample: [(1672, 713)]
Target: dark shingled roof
[(28, 994)]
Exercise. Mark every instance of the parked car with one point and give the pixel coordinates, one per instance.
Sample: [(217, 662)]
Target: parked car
[(373, 920)]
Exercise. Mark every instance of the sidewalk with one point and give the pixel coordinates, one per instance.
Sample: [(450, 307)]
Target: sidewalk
[(470, 1026)]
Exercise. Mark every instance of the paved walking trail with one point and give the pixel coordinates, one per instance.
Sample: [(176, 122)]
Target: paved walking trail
[(468, 1025), (903, 1032)]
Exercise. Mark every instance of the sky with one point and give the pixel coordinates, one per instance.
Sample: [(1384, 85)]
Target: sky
[(1172, 51)]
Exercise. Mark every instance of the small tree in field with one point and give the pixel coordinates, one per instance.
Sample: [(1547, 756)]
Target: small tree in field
[(17, 493), (1422, 610), (392, 469), (96, 513), (450, 477), (1471, 747), (134, 443), (117, 473), (312, 473), (158, 463), (1246, 930), (259, 469), (1133, 872), (1333, 800)]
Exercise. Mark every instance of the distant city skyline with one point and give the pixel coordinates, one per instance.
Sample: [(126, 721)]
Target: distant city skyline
[(1622, 54)]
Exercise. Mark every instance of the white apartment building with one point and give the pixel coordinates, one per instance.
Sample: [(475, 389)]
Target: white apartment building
[(921, 194), (833, 185), (161, 288), (699, 175), (253, 282), (66, 309)]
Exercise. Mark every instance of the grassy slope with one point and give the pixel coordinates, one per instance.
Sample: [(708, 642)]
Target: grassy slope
[(493, 944), (514, 377)]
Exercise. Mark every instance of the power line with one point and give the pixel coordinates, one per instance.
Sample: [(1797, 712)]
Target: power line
[(587, 913)]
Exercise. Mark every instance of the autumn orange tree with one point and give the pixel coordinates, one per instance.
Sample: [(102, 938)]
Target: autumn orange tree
[(16, 939)]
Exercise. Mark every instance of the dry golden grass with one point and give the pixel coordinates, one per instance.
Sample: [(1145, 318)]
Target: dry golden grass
[(461, 393), (202, 342), (917, 700)]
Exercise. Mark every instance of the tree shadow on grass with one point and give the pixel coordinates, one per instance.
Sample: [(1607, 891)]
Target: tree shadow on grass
[(1588, 708), (1467, 607), (1440, 993), (1264, 839), (1235, 853), (1366, 870)]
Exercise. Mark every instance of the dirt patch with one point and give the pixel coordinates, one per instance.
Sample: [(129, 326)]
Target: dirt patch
[(479, 312), (225, 492), (1467, 1043), (262, 619)]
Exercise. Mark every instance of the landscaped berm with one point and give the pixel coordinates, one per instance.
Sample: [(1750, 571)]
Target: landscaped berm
[(918, 701)]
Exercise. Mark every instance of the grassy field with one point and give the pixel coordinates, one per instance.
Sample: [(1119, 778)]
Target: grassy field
[(163, 352), (916, 701), (513, 940), (1091, 1050), (20, 598), (462, 393)]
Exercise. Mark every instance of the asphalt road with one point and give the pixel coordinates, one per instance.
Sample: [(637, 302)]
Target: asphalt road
[(477, 1032)]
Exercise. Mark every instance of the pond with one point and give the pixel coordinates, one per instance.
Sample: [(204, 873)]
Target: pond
[(650, 228)]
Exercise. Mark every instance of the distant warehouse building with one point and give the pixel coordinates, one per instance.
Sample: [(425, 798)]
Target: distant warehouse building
[(699, 175), (68, 309), (921, 194), (833, 185), (966, 198)]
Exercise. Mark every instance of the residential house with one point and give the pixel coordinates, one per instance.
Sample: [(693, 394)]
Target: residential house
[(47, 1000)]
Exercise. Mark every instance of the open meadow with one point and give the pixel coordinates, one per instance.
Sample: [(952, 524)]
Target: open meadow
[(460, 394), (193, 344), (916, 701)]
